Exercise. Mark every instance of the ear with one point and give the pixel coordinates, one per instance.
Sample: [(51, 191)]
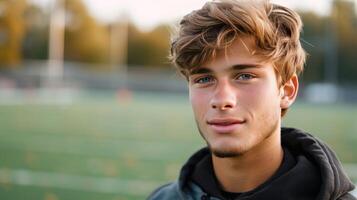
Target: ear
[(288, 92)]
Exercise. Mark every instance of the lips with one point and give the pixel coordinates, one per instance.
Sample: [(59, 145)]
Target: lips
[(225, 125), (224, 122)]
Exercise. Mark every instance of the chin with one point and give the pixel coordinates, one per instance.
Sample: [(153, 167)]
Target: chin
[(225, 154), (226, 151)]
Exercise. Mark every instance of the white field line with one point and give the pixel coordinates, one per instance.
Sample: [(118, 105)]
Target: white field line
[(89, 151), (90, 139), (26, 177), (146, 150)]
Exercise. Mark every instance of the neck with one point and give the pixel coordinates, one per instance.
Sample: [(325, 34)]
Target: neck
[(249, 170)]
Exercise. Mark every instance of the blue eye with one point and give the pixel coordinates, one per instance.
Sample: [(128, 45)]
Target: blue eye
[(205, 79), (245, 76)]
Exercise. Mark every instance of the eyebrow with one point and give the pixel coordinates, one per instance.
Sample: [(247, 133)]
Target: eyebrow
[(203, 70)]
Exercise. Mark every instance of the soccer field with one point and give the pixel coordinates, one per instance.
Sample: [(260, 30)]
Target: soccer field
[(104, 149)]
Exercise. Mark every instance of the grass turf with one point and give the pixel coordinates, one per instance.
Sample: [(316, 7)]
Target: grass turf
[(143, 141)]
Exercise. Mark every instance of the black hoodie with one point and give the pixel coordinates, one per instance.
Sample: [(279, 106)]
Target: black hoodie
[(316, 174)]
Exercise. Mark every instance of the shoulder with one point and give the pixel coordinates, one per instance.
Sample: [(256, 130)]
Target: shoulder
[(167, 191)]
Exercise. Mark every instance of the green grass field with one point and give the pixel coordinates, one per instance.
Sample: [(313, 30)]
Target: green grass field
[(102, 149)]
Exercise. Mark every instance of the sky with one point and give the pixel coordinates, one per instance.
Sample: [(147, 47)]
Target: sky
[(147, 14)]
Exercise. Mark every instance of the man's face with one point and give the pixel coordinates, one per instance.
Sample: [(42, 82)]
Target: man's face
[(236, 100)]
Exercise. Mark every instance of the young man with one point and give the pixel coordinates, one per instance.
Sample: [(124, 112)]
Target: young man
[(242, 59)]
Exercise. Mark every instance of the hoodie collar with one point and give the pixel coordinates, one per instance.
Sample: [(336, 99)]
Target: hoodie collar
[(335, 182), (310, 152)]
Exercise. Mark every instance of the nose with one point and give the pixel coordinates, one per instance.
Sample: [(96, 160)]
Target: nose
[(224, 97)]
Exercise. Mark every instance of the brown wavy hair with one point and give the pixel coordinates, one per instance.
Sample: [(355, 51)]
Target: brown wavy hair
[(275, 28)]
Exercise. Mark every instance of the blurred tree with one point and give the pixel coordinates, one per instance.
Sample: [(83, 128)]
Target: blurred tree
[(35, 43), (12, 29), (148, 48), (313, 42), (331, 42), (344, 20), (85, 39)]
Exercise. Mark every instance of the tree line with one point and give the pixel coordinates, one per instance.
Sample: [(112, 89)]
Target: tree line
[(330, 41)]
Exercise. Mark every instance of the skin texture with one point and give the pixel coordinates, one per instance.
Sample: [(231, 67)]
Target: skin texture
[(237, 105)]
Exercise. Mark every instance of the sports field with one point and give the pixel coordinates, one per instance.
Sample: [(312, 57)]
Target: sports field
[(100, 148)]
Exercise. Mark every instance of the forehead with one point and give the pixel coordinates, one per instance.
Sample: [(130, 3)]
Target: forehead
[(243, 51)]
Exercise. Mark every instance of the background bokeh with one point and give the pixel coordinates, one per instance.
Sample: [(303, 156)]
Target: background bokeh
[(90, 107)]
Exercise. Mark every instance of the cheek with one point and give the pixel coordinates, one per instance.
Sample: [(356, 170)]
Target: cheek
[(199, 102), (261, 96)]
